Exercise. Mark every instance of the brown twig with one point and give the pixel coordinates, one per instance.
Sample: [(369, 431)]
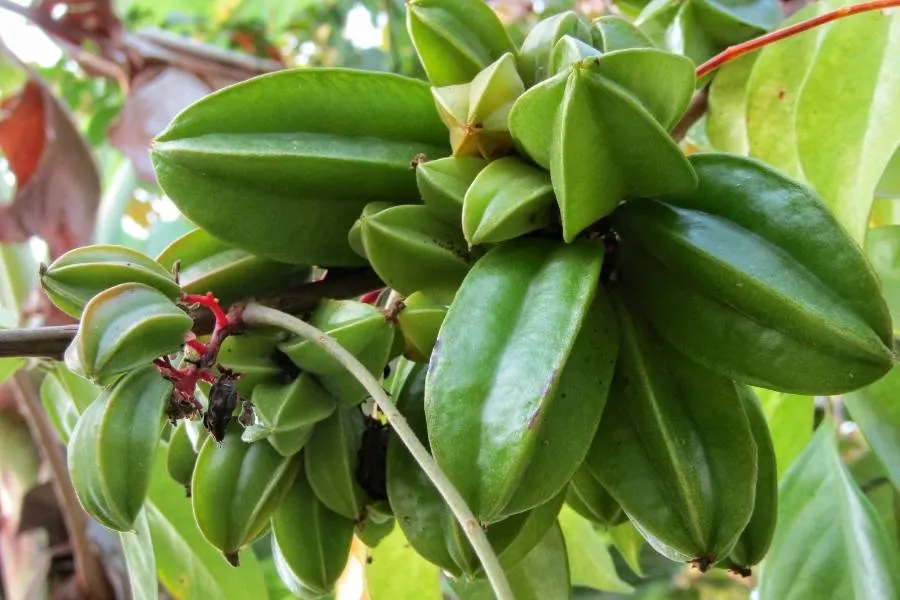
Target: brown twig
[(90, 578), (695, 110), (51, 342), (734, 52)]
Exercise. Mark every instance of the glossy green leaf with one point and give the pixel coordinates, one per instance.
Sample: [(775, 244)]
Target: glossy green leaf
[(839, 143), (251, 355), (123, 328), (675, 449), (455, 39), (877, 412), (496, 382), (318, 146), (80, 274), (590, 563), (507, 199), (829, 542), (138, 550), (397, 571), (113, 447), (412, 250), (762, 284), (187, 565), (790, 420), (208, 265)]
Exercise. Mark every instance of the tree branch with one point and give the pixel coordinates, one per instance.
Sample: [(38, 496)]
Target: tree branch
[(695, 110), (51, 342), (89, 574)]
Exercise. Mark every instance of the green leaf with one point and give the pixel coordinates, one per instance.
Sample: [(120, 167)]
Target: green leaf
[(883, 250), (790, 419), (138, 549), (837, 141), (726, 122), (65, 396), (318, 145), (8, 366), (187, 565), (590, 562), (397, 571), (889, 185), (629, 542), (829, 542), (877, 412), (18, 275)]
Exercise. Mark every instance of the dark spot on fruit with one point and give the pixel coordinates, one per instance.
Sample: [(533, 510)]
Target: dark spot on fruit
[(781, 94), (742, 571), (232, 558), (370, 560)]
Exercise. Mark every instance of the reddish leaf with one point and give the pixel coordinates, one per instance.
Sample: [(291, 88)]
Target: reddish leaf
[(22, 131), (78, 20), (157, 94), (57, 197)]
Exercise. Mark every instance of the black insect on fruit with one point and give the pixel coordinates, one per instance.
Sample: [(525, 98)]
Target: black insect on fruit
[(371, 462), (223, 399)]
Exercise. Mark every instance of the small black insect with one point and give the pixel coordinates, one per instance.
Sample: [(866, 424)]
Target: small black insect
[(223, 399), (371, 462)]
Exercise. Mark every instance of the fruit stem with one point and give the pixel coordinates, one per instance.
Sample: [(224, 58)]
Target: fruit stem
[(210, 302), (258, 315), (734, 52)]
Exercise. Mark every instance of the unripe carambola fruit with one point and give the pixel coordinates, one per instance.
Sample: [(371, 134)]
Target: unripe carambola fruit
[(424, 516), (531, 396), (476, 113), (443, 184), (331, 457), (412, 250), (80, 274), (752, 276), (235, 489), (754, 542), (600, 126), (210, 265), (589, 498), (612, 33), (674, 449), (361, 329), (181, 457), (310, 542), (123, 328), (289, 411), (455, 39), (507, 199), (534, 58), (114, 446), (419, 322)]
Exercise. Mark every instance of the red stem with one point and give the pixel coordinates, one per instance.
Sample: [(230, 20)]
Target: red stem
[(733, 52), (209, 301)]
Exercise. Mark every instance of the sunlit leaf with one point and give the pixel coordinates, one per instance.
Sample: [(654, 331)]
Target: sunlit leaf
[(590, 563), (397, 571), (138, 550), (790, 419), (876, 409), (829, 542)]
